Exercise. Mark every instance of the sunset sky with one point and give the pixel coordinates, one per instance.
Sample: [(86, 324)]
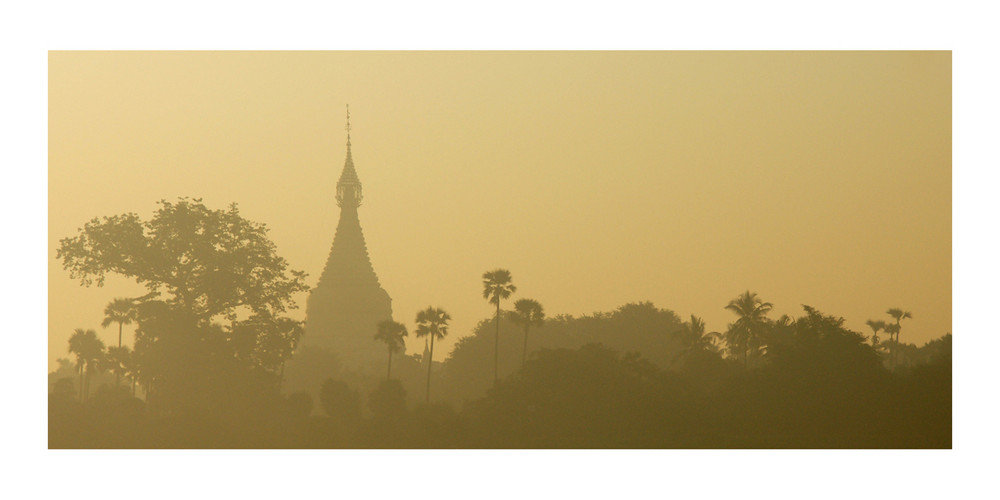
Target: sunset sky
[(596, 178)]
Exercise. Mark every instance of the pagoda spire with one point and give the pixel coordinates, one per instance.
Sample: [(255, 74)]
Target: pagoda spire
[(349, 186)]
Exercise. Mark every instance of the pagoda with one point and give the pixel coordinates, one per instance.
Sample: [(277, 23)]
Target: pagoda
[(345, 307)]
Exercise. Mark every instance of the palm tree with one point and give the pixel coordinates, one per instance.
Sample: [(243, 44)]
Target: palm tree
[(432, 322), (118, 361), (497, 286), (892, 329), (121, 311), (875, 326), (527, 312), (694, 338), (392, 334), (89, 351), (744, 334), (899, 315)]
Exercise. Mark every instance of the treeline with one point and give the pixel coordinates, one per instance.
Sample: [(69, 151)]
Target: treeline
[(208, 365), (815, 384)]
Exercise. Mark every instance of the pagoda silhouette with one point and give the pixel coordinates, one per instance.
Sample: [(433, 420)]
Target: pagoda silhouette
[(345, 307)]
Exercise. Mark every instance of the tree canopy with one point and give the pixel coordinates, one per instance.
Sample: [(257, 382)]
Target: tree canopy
[(209, 262)]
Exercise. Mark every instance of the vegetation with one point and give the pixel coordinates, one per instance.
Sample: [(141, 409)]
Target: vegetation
[(392, 334), (527, 313), (496, 287), (431, 322), (211, 345)]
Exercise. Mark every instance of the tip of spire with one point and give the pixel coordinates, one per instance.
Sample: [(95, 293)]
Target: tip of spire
[(348, 127)]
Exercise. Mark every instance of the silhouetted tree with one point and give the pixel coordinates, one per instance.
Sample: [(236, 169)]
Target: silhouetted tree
[(497, 286), (745, 333), (693, 337), (119, 359), (121, 311), (89, 351), (432, 322), (392, 334), (899, 315), (876, 327), (209, 262), (527, 312), (211, 266)]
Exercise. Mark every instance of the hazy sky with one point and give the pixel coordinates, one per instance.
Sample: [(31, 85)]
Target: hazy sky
[(596, 178)]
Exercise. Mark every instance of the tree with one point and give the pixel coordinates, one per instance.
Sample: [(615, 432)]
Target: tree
[(527, 313), (876, 326), (118, 361), (693, 337), (391, 333), (89, 351), (745, 333), (210, 263), (497, 286), (121, 311), (432, 322), (210, 267), (899, 315)]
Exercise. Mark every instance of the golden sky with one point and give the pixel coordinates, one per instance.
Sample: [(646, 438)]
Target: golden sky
[(596, 178)]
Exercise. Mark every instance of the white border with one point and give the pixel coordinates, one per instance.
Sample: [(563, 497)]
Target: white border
[(30, 29)]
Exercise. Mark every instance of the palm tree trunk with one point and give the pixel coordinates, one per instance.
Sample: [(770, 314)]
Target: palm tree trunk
[(81, 381), (118, 375), (430, 362), (133, 386), (388, 372), (281, 376), (86, 382), (524, 353), (496, 348)]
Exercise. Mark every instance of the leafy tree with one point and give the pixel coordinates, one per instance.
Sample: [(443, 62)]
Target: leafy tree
[(268, 342), (527, 312), (899, 315), (745, 333), (432, 322), (209, 262), (209, 266), (392, 334), (497, 286)]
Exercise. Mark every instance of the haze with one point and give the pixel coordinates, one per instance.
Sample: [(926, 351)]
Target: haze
[(596, 178)]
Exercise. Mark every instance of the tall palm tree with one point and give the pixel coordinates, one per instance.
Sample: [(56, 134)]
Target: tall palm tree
[(497, 286), (432, 322), (876, 326), (121, 311), (392, 334), (89, 351), (899, 315), (744, 334), (527, 312)]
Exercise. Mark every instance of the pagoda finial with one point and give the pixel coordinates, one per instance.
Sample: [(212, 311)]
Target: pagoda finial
[(349, 187), (348, 127)]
